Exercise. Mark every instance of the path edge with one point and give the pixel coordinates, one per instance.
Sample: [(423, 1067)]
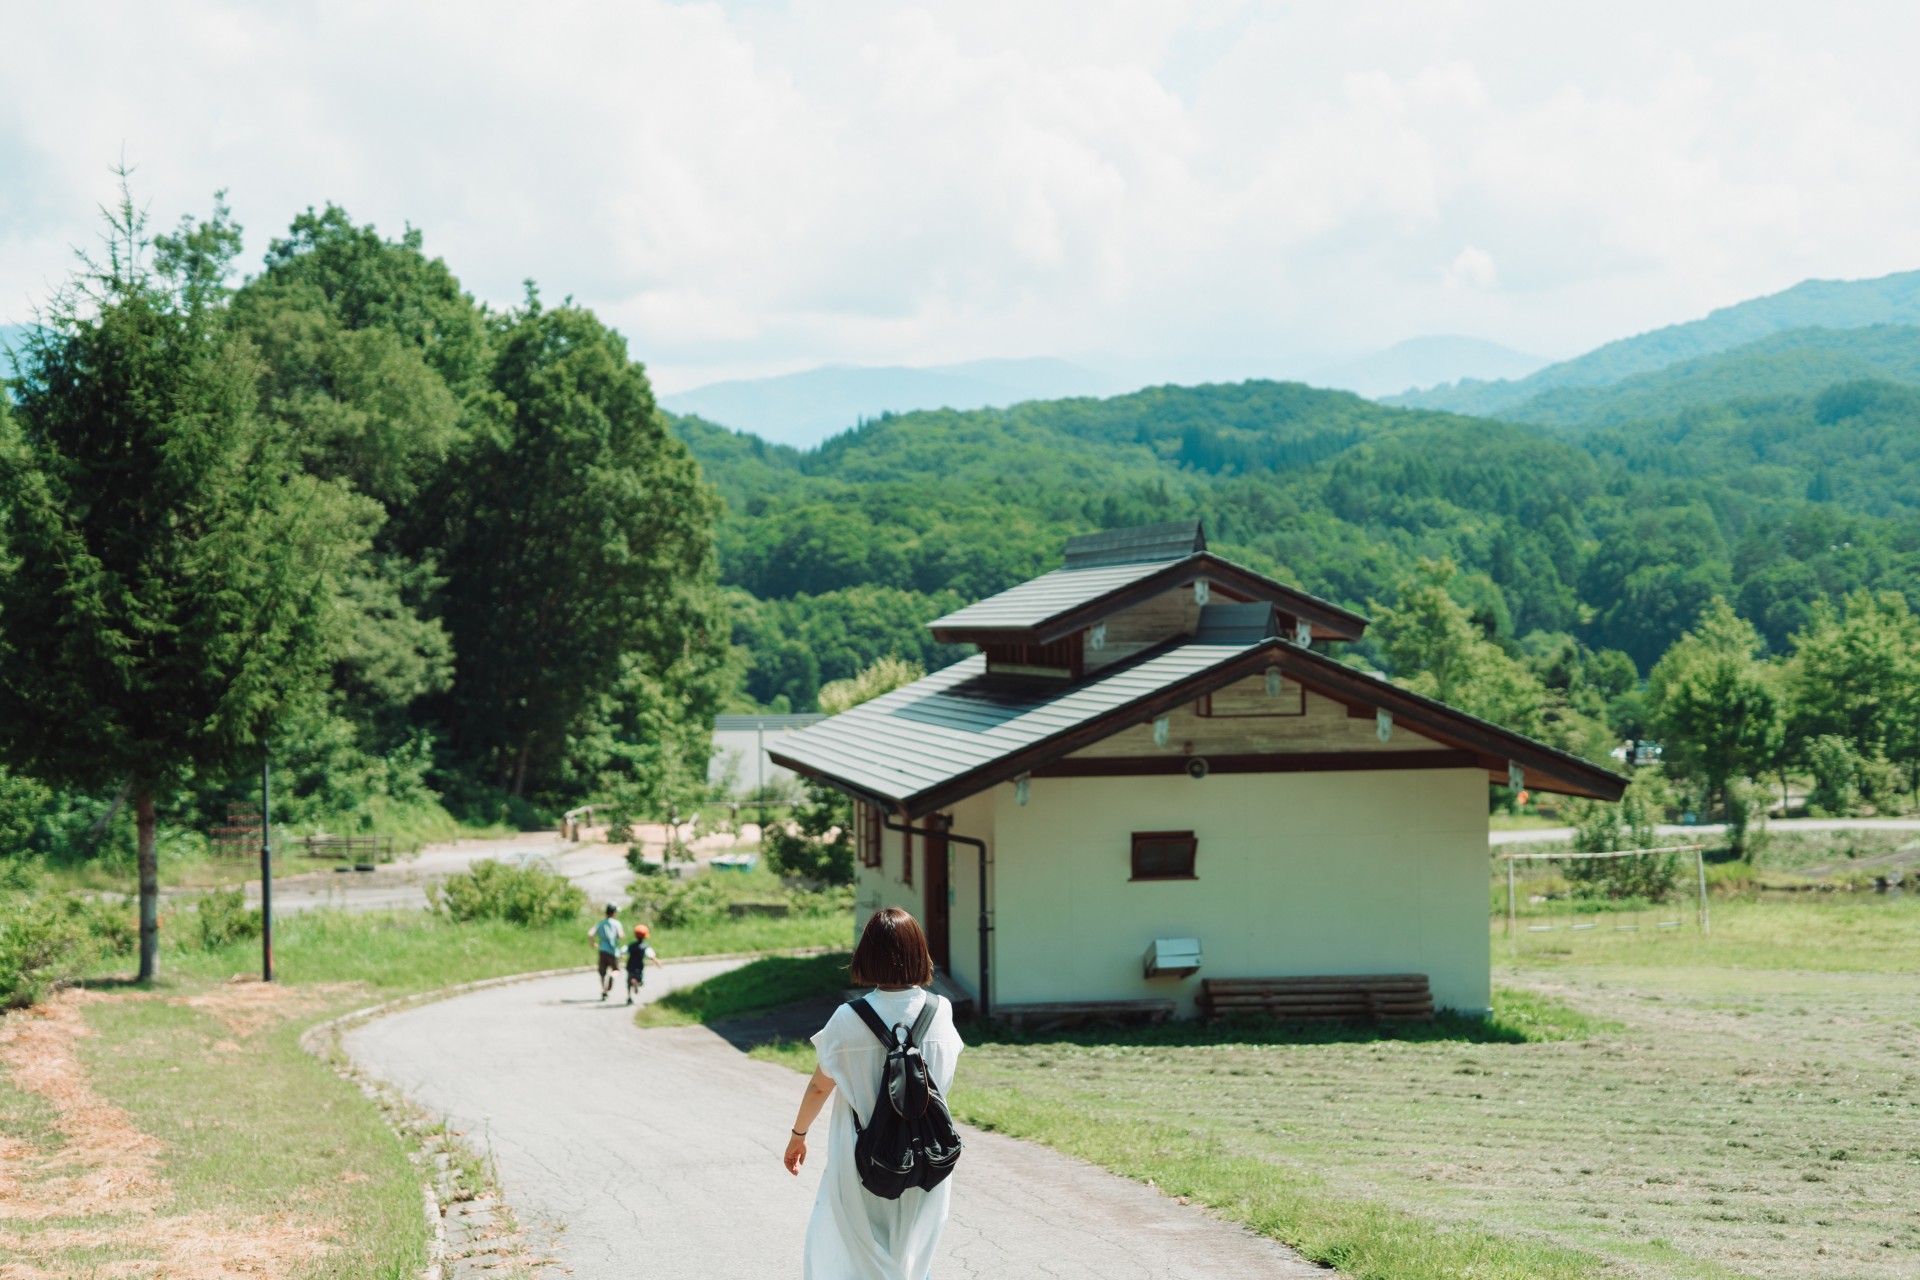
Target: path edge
[(323, 1040)]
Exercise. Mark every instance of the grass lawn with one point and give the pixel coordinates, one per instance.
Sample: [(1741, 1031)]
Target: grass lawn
[(1746, 1104), (765, 984), (156, 1132)]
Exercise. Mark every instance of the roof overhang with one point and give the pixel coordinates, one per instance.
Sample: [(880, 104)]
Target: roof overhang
[(1328, 620), (1474, 742)]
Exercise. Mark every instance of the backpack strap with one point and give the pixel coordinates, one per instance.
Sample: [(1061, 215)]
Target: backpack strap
[(872, 1019), (924, 1023)]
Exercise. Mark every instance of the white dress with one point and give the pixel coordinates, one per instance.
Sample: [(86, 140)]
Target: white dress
[(854, 1235)]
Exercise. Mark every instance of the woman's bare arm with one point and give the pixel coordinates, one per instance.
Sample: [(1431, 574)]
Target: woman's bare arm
[(819, 1089)]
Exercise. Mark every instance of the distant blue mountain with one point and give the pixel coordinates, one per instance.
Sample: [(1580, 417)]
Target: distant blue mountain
[(1425, 362), (802, 409), (1827, 304)]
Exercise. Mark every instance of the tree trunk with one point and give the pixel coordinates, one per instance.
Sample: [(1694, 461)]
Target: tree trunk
[(520, 767), (149, 858)]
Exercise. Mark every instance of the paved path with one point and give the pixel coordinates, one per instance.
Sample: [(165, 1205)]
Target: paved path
[(657, 1152), (599, 868), (1545, 835)]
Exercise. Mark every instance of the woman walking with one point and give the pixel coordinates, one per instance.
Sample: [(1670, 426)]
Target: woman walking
[(854, 1234)]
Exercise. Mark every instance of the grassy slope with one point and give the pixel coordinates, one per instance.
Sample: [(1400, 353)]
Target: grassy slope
[(1743, 1104), (252, 1125)]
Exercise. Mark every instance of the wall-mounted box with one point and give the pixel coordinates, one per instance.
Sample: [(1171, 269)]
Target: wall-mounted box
[(1172, 957)]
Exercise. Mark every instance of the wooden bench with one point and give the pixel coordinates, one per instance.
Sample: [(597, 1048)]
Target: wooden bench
[(1051, 1014), (1373, 996)]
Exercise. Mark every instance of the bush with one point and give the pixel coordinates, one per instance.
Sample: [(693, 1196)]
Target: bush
[(819, 847), (222, 916), (42, 945), (1603, 828), (523, 895), (1835, 766)]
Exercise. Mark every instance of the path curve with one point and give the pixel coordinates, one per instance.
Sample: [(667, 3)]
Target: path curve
[(630, 1152), (1547, 835)]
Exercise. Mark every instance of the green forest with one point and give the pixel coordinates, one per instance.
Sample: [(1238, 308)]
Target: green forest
[(438, 560)]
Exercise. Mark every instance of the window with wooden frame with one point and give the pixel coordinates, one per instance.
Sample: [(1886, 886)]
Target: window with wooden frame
[(1163, 855), (866, 829)]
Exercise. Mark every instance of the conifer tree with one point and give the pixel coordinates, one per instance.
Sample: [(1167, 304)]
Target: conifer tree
[(168, 578)]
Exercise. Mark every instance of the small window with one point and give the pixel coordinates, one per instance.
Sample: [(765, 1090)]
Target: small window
[(866, 824), (1163, 855)]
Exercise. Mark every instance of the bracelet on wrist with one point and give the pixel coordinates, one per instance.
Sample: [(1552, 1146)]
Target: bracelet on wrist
[(798, 1133)]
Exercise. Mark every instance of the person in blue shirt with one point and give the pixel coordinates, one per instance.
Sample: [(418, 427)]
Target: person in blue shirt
[(609, 935)]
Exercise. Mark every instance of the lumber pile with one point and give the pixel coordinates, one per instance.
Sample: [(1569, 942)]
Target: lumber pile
[(1375, 996)]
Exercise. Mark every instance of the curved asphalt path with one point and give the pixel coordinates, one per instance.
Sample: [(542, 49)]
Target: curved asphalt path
[(629, 1152)]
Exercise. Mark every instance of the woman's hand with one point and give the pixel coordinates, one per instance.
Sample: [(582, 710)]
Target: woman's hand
[(796, 1154)]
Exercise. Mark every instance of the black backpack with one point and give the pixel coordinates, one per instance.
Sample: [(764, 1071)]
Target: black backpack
[(909, 1141)]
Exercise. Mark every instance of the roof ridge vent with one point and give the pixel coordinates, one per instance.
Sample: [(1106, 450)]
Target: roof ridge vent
[(1143, 544)]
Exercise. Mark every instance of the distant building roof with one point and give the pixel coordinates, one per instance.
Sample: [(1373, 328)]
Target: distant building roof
[(1175, 540), (770, 720)]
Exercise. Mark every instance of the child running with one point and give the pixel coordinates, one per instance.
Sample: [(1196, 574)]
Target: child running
[(607, 936), (637, 956)]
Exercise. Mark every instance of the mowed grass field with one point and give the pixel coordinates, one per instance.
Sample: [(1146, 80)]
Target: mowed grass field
[(1745, 1104)]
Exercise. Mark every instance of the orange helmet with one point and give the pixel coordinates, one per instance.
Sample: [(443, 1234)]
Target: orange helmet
[(639, 931)]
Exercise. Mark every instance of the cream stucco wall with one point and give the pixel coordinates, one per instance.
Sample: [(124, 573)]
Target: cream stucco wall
[(1381, 871)]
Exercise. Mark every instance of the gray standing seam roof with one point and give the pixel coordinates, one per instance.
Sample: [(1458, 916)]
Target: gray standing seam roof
[(908, 742), (1050, 595)]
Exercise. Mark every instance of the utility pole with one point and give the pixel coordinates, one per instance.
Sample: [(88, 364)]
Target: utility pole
[(266, 872), (760, 763)]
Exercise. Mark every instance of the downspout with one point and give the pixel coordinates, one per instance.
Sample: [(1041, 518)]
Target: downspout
[(986, 928)]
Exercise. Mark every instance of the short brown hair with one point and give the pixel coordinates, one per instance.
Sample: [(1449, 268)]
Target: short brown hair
[(892, 952)]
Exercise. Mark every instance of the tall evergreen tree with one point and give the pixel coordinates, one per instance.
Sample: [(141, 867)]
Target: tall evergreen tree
[(170, 577), (577, 528)]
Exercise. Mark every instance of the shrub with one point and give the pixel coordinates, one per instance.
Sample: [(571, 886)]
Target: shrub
[(819, 846), (1835, 766), (523, 895), (41, 946), (222, 916), (1603, 828)]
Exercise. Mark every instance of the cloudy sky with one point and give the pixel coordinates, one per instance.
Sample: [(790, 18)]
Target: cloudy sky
[(1198, 189)]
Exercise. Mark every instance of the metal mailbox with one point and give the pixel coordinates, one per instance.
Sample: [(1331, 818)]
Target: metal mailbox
[(1172, 957)]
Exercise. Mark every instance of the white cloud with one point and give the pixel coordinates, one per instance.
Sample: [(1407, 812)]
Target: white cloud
[(1201, 187)]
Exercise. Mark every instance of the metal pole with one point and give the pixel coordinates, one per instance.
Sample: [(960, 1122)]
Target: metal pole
[(1700, 864), (266, 872), (760, 743), (1510, 907)]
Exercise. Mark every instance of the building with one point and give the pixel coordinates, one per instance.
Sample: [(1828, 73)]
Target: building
[(1151, 745), (740, 744)]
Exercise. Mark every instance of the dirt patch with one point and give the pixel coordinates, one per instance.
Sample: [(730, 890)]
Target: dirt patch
[(107, 1169), (247, 1005)]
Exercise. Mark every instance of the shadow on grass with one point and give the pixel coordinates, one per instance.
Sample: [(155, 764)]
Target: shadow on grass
[(1518, 1017)]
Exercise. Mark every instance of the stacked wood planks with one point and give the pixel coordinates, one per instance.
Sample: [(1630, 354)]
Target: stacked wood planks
[(1373, 996)]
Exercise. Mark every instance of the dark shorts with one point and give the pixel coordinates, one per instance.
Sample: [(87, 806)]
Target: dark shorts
[(608, 963)]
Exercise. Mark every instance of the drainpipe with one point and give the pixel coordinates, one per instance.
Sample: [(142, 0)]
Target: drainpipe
[(980, 847)]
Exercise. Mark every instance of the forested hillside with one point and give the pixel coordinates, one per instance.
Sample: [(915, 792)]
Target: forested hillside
[(1616, 539), (1797, 360), (1828, 304)]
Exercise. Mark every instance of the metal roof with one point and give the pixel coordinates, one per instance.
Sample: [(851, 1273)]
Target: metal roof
[(1174, 540), (960, 731), (911, 742), (766, 720), (1049, 595)]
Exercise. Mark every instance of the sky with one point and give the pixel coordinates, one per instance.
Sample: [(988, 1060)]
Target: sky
[(1182, 189)]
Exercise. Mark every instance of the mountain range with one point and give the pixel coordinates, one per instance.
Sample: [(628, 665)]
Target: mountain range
[(807, 407), (1827, 304)]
